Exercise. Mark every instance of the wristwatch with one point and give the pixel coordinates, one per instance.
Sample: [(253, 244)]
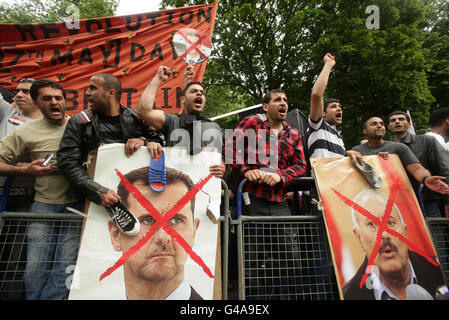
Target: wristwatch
[(424, 180)]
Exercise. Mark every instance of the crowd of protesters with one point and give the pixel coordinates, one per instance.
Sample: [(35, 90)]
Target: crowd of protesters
[(33, 124)]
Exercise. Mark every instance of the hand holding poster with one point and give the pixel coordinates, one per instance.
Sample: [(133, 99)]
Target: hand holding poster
[(379, 239)]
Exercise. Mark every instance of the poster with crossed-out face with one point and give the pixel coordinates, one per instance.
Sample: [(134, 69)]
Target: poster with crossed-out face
[(380, 243), (173, 256)]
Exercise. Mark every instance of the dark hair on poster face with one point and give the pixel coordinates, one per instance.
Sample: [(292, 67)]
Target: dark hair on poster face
[(172, 176)]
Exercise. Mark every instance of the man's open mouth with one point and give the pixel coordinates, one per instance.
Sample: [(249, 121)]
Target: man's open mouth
[(55, 111)]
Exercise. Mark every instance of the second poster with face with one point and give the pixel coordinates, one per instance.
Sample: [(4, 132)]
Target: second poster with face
[(380, 243)]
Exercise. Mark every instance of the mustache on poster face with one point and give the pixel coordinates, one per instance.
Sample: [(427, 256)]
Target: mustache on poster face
[(161, 249), (387, 244)]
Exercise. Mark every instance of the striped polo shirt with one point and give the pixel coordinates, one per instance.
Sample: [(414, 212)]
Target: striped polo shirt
[(324, 141)]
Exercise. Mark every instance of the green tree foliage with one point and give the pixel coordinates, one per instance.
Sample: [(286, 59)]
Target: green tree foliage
[(436, 43), (378, 70), (42, 11), (261, 45), (223, 97)]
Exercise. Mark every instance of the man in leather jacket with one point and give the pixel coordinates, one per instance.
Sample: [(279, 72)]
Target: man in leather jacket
[(107, 121)]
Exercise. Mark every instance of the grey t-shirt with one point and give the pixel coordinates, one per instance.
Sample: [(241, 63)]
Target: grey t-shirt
[(182, 130), (171, 123), (404, 153)]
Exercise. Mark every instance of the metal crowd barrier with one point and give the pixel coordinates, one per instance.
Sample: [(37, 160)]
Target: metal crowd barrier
[(289, 258), (439, 229), (276, 257), (285, 258), (13, 244)]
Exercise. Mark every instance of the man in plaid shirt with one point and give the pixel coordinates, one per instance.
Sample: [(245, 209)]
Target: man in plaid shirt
[(269, 153)]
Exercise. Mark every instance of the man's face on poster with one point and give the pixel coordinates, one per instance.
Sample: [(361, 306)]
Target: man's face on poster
[(161, 258), (392, 256), (193, 40)]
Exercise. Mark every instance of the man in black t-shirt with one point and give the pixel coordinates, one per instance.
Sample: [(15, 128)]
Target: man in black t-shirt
[(182, 126), (374, 130)]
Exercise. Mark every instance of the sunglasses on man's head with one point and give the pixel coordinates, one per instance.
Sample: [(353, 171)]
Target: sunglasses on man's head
[(27, 80)]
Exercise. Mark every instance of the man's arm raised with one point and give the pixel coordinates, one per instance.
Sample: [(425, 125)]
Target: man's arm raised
[(316, 100), (155, 118)]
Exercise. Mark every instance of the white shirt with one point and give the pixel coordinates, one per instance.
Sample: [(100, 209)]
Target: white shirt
[(182, 292), (380, 287), (440, 139)]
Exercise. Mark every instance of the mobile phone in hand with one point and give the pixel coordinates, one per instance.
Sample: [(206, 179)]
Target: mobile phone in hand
[(47, 159)]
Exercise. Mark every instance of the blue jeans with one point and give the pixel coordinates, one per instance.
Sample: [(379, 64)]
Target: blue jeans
[(52, 248), (433, 209)]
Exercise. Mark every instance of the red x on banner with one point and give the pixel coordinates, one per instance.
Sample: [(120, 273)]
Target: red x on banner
[(193, 46), (161, 222)]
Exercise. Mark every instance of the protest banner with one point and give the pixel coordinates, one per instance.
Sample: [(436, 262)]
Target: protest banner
[(130, 47)]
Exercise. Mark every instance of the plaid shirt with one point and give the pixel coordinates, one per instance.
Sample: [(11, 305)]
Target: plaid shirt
[(253, 152)]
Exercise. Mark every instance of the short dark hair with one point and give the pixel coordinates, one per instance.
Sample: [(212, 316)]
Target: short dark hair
[(141, 174), (438, 116), (267, 97), (328, 101), (190, 84), (398, 113), (365, 122), (43, 83), (111, 82)]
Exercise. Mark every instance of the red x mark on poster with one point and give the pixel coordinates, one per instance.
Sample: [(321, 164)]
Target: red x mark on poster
[(193, 46), (161, 222), (382, 227)]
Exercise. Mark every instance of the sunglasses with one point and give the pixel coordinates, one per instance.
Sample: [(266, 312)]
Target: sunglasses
[(27, 80)]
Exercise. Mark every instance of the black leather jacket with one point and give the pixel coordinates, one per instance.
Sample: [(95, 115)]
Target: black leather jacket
[(82, 136)]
